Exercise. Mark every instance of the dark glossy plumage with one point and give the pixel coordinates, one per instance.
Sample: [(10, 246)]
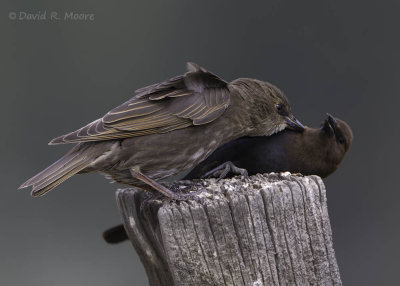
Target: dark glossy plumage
[(316, 151), (167, 128)]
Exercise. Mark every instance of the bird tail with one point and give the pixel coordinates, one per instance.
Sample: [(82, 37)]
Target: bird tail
[(71, 163)]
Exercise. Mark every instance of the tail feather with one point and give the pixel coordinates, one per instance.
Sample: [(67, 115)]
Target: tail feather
[(43, 188), (57, 172), (52, 169), (70, 164)]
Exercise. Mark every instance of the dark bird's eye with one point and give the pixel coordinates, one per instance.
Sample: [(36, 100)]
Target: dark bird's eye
[(279, 107), (341, 140)]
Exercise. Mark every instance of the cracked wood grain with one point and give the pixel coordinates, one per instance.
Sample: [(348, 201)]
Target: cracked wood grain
[(270, 229)]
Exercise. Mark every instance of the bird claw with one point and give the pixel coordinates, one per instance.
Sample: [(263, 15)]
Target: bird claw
[(223, 170), (192, 196)]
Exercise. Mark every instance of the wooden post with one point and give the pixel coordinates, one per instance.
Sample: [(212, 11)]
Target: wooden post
[(270, 229)]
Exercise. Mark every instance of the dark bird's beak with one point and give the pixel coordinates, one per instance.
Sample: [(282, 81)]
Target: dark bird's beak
[(332, 121), (294, 124), (329, 125)]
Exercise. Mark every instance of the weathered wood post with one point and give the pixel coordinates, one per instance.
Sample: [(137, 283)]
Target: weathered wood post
[(263, 230)]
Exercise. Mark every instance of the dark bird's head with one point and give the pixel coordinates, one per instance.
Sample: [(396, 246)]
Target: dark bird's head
[(337, 136), (267, 106)]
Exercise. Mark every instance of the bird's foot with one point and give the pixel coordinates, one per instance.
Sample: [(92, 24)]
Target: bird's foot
[(224, 169), (169, 194), (188, 196), (179, 195)]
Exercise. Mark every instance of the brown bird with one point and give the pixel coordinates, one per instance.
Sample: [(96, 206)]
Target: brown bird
[(167, 128), (316, 151)]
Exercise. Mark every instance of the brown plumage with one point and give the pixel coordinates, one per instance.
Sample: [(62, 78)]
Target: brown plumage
[(196, 98), (316, 151), (167, 128)]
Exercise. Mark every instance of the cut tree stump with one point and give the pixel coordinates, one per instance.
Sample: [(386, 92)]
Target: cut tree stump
[(270, 229)]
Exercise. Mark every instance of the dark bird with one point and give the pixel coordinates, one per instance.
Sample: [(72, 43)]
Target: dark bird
[(167, 128), (316, 151)]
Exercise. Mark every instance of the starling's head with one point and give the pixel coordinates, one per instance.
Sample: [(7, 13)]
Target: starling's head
[(337, 137), (268, 107)]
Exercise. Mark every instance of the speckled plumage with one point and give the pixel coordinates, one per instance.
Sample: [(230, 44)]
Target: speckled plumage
[(168, 128)]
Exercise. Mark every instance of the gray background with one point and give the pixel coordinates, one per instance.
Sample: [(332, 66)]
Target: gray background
[(340, 57)]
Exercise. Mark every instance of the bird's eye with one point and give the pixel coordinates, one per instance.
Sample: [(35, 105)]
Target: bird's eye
[(279, 107), (341, 140)]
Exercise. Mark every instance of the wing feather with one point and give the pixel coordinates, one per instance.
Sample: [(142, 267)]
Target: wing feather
[(195, 98)]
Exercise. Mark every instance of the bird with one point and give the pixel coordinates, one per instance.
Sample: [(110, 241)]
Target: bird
[(315, 151), (168, 127)]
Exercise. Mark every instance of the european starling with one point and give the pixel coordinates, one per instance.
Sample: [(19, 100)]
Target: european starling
[(167, 128), (316, 151)]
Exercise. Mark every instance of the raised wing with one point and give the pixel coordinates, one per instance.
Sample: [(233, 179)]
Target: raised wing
[(195, 98)]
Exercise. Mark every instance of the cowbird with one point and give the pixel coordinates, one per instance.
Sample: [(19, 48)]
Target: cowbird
[(167, 128), (316, 151)]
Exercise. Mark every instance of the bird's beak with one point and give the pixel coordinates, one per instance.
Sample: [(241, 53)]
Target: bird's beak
[(332, 121), (293, 124), (329, 125)]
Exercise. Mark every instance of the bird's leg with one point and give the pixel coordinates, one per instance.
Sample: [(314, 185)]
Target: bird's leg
[(160, 188), (224, 169)]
